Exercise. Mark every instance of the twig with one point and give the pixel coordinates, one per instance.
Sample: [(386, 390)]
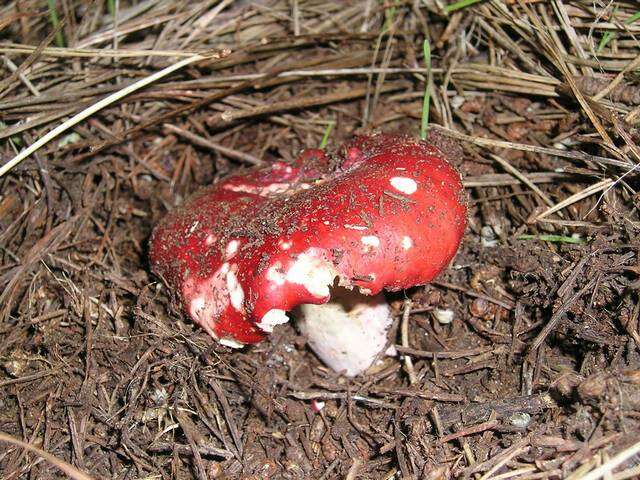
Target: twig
[(404, 335), (607, 468), (555, 318), (65, 467), (114, 97), (203, 142), (576, 197), (488, 142)]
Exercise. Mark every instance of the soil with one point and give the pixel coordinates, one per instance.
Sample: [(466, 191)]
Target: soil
[(536, 376)]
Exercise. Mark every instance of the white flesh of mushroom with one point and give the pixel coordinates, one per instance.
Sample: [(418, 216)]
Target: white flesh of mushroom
[(349, 331)]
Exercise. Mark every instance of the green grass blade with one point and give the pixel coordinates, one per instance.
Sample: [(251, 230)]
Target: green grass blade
[(424, 125), (460, 5), (55, 21), (327, 132), (608, 36), (390, 13), (553, 238)]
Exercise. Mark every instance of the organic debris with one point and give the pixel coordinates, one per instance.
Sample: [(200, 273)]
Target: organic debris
[(521, 361)]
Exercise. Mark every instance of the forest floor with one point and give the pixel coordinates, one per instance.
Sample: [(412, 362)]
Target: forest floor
[(536, 376)]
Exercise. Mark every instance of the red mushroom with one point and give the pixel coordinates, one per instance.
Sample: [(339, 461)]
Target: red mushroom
[(387, 212)]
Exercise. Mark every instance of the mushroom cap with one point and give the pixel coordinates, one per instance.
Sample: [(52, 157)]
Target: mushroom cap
[(386, 212)]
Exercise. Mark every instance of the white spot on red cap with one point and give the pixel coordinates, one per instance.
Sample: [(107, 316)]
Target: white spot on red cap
[(404, 184), (197, 307), (370, 241), (313, 272), (210, 240), (275, 274), (207, 298), (356, 227), (285, 245), (262, 191), (407, 242), (273, 317), (193, 226), (232, 248), (236, 294)]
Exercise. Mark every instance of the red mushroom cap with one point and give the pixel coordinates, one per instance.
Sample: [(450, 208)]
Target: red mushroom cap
[(388, 212)]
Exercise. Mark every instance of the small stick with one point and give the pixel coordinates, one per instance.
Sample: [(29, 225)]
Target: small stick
[(424, 126), (404, 336), (481, 427), (65, 467), (595, 188), (206, 143)]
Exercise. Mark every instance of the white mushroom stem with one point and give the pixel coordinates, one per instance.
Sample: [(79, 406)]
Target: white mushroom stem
[(349, 331)]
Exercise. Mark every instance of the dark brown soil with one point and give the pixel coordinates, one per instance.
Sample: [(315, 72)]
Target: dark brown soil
[(538, 374)]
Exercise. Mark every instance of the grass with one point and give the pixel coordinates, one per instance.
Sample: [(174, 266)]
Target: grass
[(327, 133), (424, 125), (390, 14), (553, 239), (460, 5), (55, 22), (608, 36), (16, 140)]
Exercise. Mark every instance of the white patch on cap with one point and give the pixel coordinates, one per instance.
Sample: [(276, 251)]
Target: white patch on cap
[(232, 248), (356, 227), (207, 298), (407, 242), (210, 240), (258, 190), (275, 274), (273, 317), (370, 241), (236, 294), (285, 245), (313, 272), (404, 184), (193, 226), (231, 343), (197, 306)]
